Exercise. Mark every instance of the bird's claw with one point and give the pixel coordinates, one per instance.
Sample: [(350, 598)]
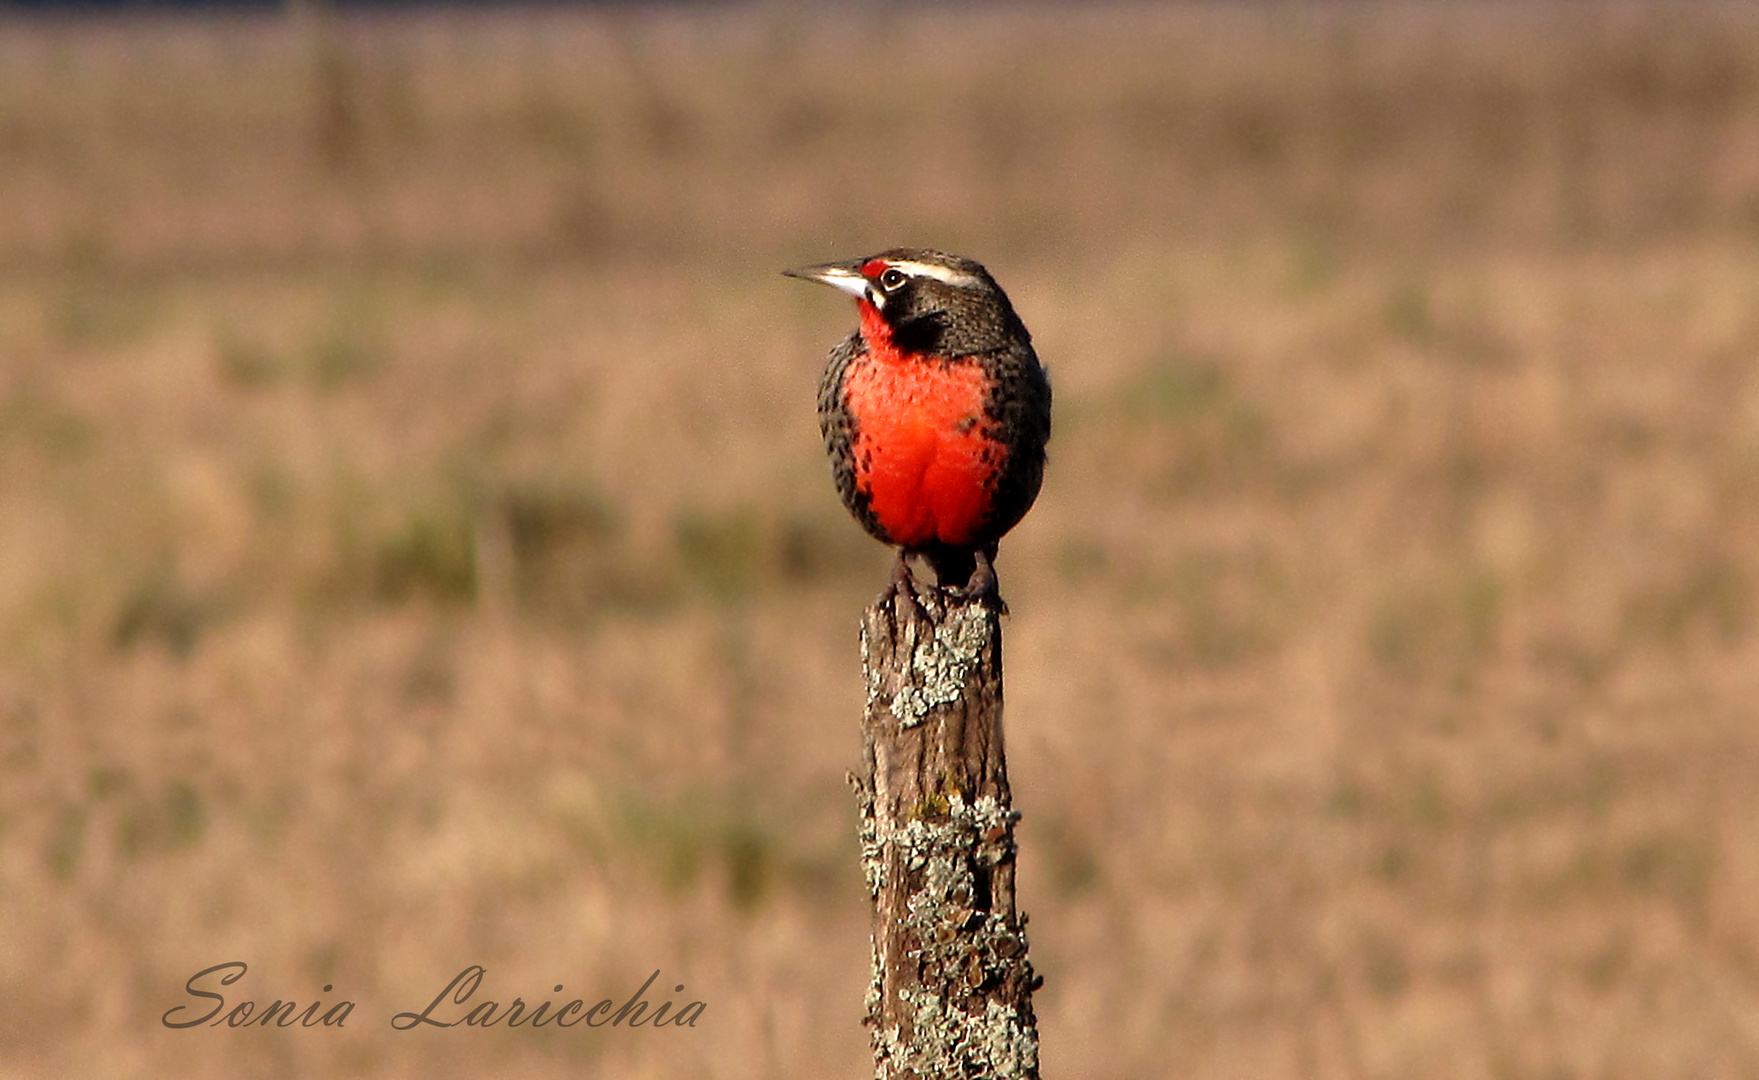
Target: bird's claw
[(982, 588), (902, 591)]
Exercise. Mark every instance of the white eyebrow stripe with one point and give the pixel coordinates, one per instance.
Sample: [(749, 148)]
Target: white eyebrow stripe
[(939, 273)]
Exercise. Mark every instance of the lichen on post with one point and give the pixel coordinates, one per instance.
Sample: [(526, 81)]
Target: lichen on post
[(952, 984)]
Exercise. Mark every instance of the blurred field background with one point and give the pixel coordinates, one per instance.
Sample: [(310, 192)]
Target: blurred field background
[(416, 550)]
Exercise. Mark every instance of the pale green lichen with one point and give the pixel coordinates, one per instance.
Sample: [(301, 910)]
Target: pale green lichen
[(939, 665), (872, 859), (954, 1030), (961, 1005), (1010, 1048)]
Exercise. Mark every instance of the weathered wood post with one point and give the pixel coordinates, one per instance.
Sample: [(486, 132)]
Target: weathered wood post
[(952, 984)]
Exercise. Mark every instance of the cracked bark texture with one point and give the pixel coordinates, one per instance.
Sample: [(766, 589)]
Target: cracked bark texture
[(952, 984)]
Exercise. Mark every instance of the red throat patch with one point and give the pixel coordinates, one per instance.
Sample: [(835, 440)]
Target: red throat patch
[(925, 457)]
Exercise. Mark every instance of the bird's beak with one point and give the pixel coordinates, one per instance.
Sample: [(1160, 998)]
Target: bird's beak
[(844, 276)]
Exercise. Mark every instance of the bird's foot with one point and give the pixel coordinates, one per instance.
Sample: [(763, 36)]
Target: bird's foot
[(983, 588), (902, 592)]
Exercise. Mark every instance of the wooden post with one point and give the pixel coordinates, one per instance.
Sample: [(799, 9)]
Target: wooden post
[(952, 985)]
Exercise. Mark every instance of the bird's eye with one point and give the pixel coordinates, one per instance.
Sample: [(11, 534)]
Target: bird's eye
[(891, 279)]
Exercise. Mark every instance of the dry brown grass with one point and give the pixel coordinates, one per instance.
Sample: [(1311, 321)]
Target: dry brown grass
[(415, 549)]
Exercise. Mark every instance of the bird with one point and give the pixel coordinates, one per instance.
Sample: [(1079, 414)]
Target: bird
[(935, 412)]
